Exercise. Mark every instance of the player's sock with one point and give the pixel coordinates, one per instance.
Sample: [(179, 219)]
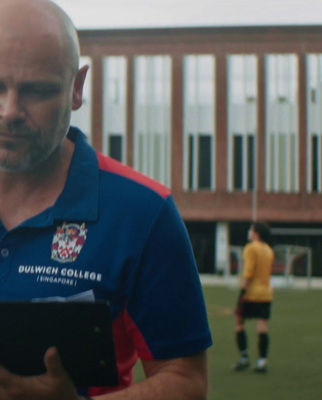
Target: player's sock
[(263, 343), (241, 339)]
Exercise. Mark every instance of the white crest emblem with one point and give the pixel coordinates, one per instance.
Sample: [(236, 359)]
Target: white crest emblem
[(68, 242)]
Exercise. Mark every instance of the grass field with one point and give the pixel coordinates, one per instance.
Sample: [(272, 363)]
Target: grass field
[(295, 357)]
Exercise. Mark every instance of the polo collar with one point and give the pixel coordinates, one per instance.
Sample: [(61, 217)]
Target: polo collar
[(79, 198)]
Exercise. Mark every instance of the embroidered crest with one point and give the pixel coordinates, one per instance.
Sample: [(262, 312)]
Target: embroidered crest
[(68, 242)]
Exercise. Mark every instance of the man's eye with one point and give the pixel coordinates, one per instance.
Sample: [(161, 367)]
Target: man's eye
[(42, 93), (39, 92)]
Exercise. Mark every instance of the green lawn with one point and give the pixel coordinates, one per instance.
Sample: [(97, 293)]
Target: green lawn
[(295, 358)]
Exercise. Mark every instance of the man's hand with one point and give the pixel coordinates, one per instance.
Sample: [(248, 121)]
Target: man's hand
[(240, 303), (54, 384)]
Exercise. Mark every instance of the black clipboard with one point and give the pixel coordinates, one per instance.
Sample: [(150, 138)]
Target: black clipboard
[(82, 332)]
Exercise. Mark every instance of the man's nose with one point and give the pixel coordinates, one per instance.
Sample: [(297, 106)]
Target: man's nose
[(10, 107)]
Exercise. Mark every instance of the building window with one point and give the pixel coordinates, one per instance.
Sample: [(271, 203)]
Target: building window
[(82, 118), (199, 122), (314, 122), (242, 121), (114, 106), (152, 115), (282, 123)]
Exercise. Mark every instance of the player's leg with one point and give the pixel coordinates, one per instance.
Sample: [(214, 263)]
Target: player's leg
[(241, 341), (263, 345)]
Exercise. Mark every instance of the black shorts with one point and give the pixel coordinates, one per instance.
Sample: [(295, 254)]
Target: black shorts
[(258, 310)]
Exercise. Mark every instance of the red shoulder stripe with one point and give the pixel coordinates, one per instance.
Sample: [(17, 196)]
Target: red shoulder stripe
[(109, 164)]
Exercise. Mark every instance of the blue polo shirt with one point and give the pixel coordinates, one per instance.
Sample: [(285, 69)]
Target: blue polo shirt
[(113, 234)]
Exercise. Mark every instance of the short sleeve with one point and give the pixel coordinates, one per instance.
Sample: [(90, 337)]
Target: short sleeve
[(164, 296), (249, 257)]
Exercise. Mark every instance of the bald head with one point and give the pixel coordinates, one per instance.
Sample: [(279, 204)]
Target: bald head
[(41, 22)]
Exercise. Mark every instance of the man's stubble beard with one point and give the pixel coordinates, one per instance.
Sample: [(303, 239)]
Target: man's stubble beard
[(26, 155)]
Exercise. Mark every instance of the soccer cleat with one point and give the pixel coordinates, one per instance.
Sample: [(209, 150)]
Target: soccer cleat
[(260, 369), (241, 365)]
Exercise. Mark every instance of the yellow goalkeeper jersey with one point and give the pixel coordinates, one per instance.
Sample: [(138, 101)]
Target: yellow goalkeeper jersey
[(258, 261)]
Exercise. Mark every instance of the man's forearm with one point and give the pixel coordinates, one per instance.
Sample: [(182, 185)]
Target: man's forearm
[(160, 387), (179, 379), (245, 283)]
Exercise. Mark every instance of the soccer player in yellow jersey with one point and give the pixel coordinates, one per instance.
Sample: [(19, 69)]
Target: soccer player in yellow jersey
[(256, 295)]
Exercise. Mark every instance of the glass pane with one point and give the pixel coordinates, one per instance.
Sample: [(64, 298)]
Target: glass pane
[(282, 120), (199, 121), (272, 162), (315, 163), (152, 110), (314, 126), (251, 161), (205, 149), (294, 163), (115, 146), (157, 161), (238, 162), (191, 166), (114, 105), (283, 163), (242, 120)]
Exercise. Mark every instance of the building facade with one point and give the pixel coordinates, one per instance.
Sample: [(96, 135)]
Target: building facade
[(229, 118)]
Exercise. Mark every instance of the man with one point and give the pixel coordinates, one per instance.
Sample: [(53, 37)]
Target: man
[(256, 295), (132, 248)]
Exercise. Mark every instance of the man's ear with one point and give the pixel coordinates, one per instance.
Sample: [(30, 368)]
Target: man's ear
[(78, 87)]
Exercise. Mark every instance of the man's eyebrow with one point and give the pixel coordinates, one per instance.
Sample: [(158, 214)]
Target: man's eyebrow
[(34, 85), (40, 84), (40, 87)]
